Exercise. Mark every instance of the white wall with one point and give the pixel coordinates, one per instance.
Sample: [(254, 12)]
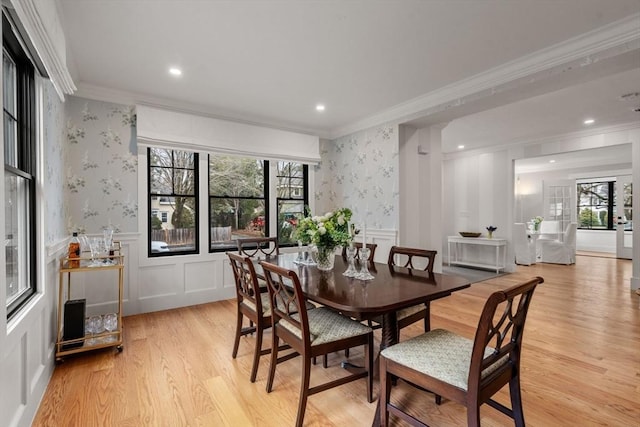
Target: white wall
[(479, 187), (27, 341)]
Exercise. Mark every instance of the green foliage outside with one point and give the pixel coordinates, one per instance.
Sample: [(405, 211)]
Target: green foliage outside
[(156, 223), (236, 178)]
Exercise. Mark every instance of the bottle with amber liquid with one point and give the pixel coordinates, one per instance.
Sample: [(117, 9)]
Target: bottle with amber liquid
[(74, 251)]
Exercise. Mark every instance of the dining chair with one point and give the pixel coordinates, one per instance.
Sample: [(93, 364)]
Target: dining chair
[(259, 246), (311, 333), (524, 247), (253, 304), (463, 370), (412, 259), (358, 245)]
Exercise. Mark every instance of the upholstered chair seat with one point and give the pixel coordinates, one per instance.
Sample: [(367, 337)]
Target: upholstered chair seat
[(441, 354)]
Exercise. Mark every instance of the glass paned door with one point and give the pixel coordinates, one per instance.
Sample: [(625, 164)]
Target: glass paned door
[(624, 217)]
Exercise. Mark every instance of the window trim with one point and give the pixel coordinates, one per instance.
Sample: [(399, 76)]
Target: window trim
[(611, 204), (304, 199), (265, 192), (196, 196), (27, 153)]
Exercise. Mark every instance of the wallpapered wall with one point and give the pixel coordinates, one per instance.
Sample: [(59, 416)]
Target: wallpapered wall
[(101, 177), (54, 164), (360, 171)]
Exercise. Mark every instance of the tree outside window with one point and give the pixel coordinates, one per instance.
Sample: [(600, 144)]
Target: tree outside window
[(292, 185), (237, 200), (173, 187), (596, 205)]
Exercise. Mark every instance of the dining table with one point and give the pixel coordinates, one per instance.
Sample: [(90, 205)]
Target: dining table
[(391, 289)]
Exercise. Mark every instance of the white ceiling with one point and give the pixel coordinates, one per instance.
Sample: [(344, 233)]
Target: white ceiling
[(270, 62)]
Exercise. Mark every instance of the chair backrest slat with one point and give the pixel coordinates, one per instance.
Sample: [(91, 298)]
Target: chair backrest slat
[(285, 303), (404, 257), (259, 246), (244, 273)]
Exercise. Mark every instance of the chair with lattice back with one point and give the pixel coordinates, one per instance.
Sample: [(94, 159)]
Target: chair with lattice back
[(311, 333), (259, 247), (466, 371), (408, 259)]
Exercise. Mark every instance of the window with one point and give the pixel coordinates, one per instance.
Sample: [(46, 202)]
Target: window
[(596, 205), (238, 197), (291, 192), (173, 184), (627, 210), (19, 170)]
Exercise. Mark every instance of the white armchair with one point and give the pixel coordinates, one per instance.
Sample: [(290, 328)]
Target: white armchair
[(560, 251), (523, 246)]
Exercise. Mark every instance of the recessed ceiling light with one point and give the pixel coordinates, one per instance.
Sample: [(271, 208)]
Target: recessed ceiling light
[(552, 161), (461, 147), (320, 107), (175, 71), (589, 122)]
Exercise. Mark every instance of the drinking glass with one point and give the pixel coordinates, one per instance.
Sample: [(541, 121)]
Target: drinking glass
[(107, 234), (95, 246), (110, 322)]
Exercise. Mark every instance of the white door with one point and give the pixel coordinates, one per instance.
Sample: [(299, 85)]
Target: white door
[(560, 203), (624, 217)]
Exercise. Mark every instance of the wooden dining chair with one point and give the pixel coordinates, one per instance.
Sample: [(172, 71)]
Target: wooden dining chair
[(253, 305), (311, 333), (260, 247), (466, 371), (412, 259)]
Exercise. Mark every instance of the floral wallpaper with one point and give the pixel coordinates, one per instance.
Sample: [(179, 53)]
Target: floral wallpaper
[(53, 161), (360, 171), (101, 175)]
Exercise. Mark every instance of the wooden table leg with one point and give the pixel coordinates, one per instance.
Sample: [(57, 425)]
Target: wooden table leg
[(389, 337)]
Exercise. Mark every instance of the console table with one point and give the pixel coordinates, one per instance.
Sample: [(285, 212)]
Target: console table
[(455, 256)]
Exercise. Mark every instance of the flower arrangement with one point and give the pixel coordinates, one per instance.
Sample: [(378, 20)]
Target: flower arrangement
[(491, 229), (536, 222), (327, 231)]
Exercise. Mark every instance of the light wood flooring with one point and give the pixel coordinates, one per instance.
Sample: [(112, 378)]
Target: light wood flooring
[(580, 364)]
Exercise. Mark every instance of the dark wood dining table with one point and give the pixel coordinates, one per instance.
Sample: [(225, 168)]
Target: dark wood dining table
[(391, 289)]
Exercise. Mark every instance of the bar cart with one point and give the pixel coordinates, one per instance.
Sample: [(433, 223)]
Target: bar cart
[(109, 337)]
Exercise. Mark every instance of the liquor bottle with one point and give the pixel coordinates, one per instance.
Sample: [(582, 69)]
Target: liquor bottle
[(74, 251)]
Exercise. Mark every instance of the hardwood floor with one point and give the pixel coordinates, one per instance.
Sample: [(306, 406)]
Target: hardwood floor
[(580, 364)]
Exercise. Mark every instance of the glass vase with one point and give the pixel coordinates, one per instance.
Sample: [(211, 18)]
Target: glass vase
[(324, 257)]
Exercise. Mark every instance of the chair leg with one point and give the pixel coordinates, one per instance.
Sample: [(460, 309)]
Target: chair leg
[(427, 317), (274, 359), (369, 366), (325, 363), (473, 415), (304, 391), (346, 352), (256, 353), (238, 332), (385, 392), (516, 401)]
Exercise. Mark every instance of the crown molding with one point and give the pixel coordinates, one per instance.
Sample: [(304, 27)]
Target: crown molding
[(41, 23), (553, 140), (608, 41)]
